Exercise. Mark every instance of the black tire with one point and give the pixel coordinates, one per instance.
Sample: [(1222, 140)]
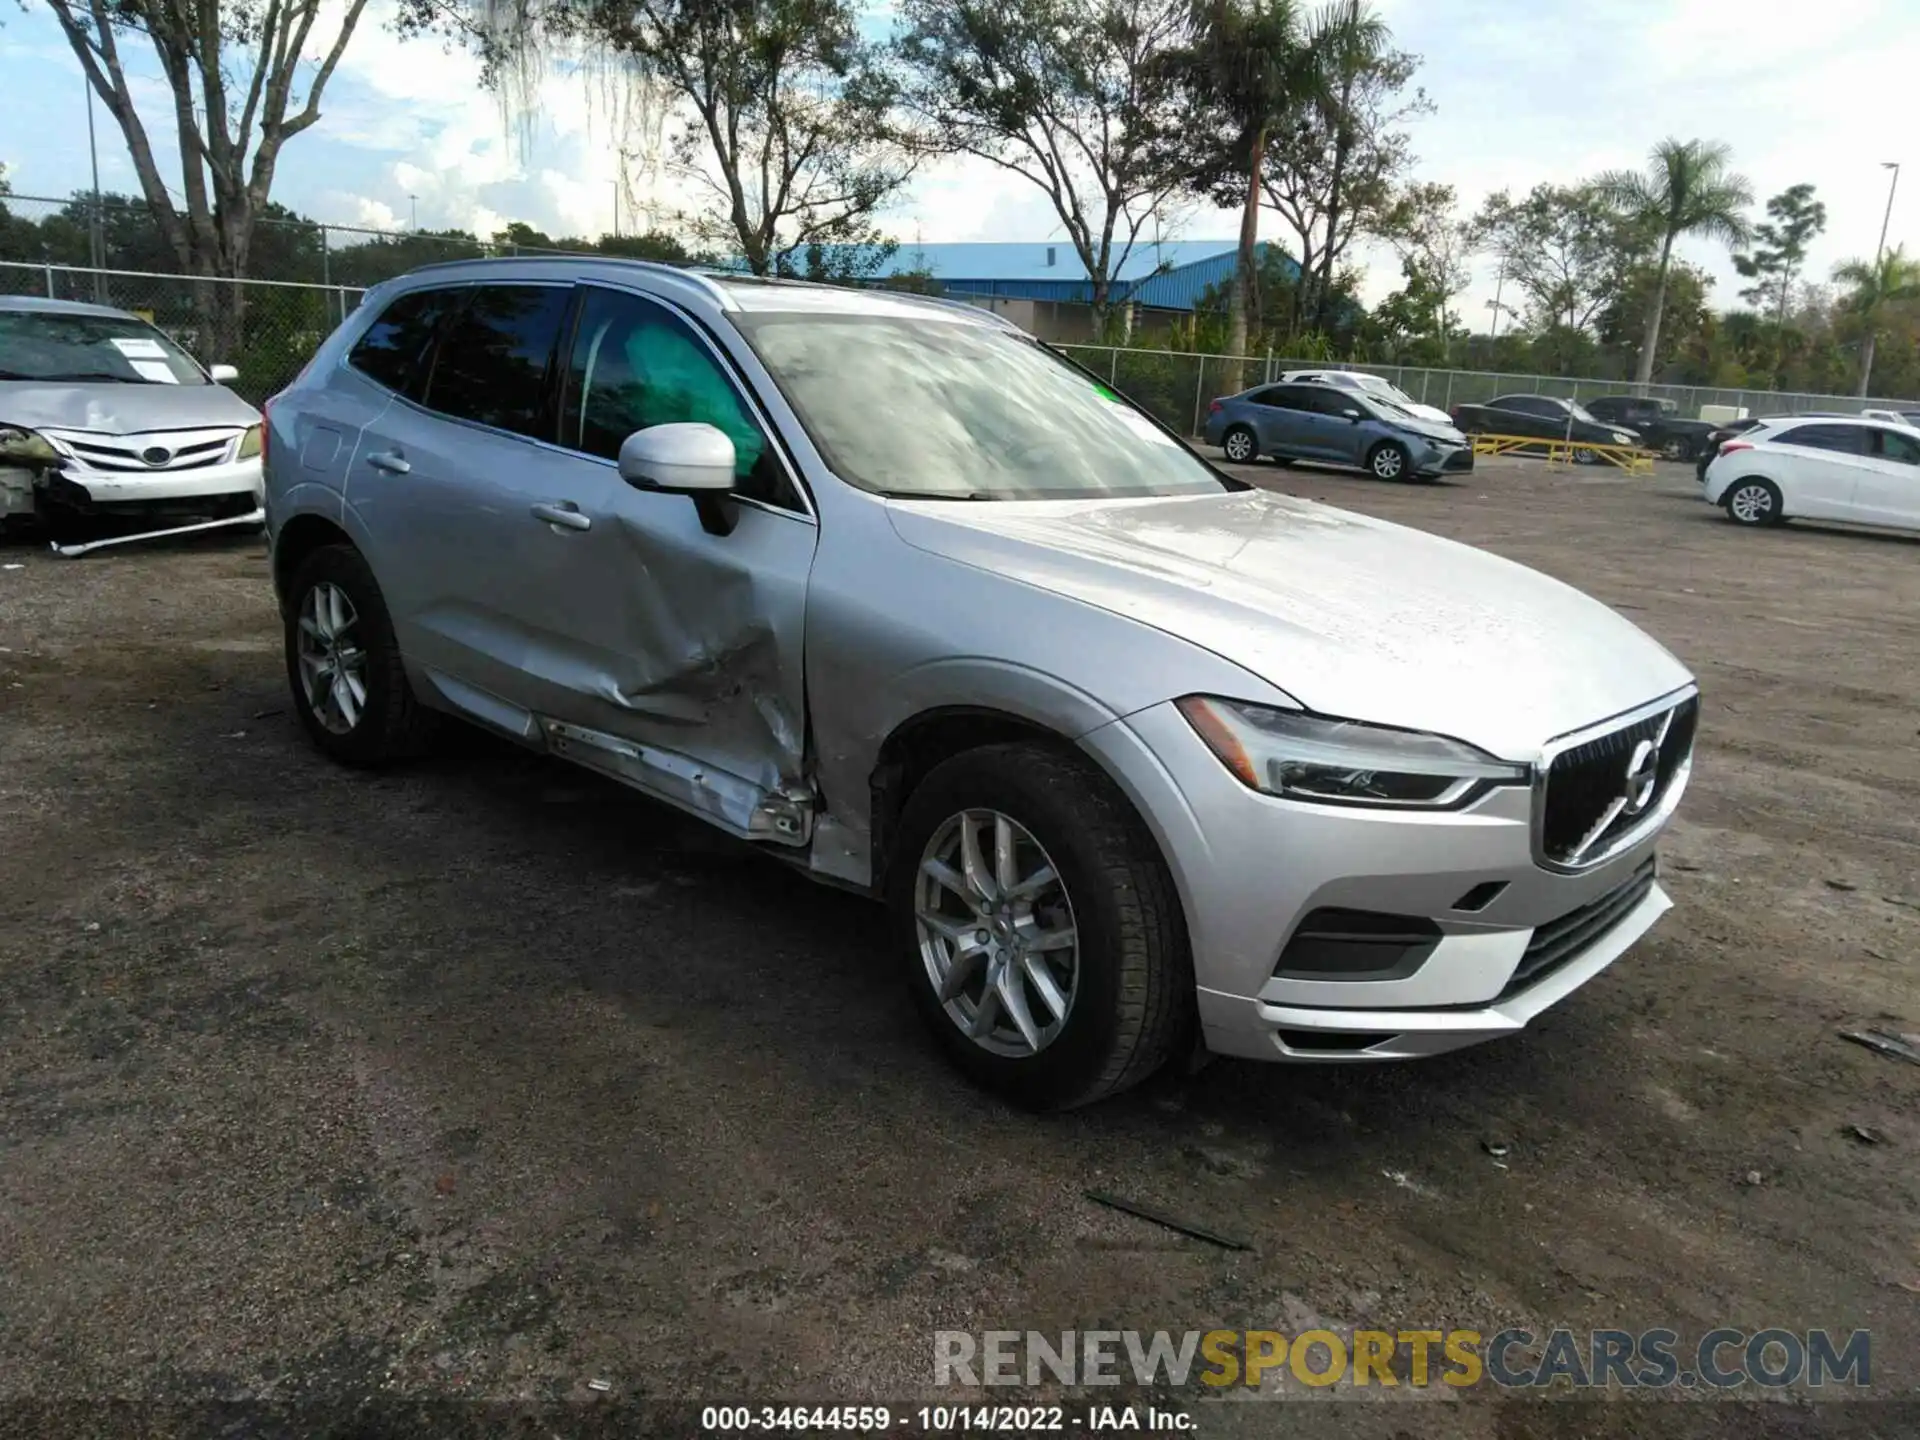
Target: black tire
[(1240, 437), (1285, 462), (1678, 448), (1133, 1007), (1389, 460), (392, 724), (1584, 456), (1760, 499)]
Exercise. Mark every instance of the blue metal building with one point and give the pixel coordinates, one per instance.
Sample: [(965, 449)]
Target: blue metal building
[(1171, 275)]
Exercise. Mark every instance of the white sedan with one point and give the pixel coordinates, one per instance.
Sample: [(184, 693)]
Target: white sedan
[(1377, 386), (1866, 472)]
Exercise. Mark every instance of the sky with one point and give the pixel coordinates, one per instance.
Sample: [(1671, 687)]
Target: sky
[(1525, 91)]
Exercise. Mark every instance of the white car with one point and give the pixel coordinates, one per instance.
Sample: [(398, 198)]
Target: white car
[(1832, 468), (1374, 385), (101, 414), (1908, 416)]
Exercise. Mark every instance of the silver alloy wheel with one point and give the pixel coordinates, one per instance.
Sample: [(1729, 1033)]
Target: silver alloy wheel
[(333, 665), (1387, 462), (1239, 447), (1750, 504), (997, 933), (1586, 457)]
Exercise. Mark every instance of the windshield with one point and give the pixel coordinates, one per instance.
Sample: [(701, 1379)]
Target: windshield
[(45, 345), (1386, 390), (956, 411), (1383, 407), (1580, 412)]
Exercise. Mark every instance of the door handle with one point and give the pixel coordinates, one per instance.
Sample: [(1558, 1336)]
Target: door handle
[(391, 461), (564, 514)]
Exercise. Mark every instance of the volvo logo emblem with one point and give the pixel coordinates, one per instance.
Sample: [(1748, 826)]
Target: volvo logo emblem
[(156, 455), (1642, 778)]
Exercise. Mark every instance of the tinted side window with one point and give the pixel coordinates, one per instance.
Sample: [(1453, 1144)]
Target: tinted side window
[(1330, 402), (1291, 397), (493, 361), (1895, 446), (393, 346), (1525, 404), (635, 364), (1265, 397), (1846, 439)]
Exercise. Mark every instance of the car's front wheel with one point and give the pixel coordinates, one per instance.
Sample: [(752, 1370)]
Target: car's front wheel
[(1754, 501), (1039, 926), (1388, 460), (1240, 445), (343, 663)]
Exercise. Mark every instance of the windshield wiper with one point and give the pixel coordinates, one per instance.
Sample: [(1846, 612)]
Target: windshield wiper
[(940, 495), (99, 375)]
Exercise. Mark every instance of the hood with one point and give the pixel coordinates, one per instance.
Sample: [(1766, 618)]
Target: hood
[(1430, 413), (1423, 424), (120, 409), (1351, 616)]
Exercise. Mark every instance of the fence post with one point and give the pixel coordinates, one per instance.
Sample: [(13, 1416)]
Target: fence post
[(1447, 404), (50, 294), (1199, 380), (326, 260), (1113, 374)]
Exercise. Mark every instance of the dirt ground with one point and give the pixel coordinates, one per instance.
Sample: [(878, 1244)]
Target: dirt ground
[(483, 1078)]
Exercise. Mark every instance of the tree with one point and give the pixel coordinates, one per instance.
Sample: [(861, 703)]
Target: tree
[(1618, 323), (1073, 96), (1794, 219), (235, 74), (1330, 174), (1248, 70), (1565, 247), (785, 107), (1891, 278), (1433, 243), (1686, 190)]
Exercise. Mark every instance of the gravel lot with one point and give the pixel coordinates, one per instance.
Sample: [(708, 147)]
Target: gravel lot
[(485, 1078)]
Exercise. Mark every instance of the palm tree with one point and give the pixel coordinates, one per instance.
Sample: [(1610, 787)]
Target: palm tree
[(1252, 65), (1685, 190), (1894, 276)]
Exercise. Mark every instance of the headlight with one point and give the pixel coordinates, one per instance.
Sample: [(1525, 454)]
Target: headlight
[(249, 443), (1310, 757), (23, 447), (1621, 437)]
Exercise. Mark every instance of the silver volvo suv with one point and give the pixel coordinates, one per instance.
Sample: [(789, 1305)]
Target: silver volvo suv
[(1140, 758)]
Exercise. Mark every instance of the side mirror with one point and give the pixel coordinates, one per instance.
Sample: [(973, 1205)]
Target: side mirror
[(1353, 415), (222, 374), (684, 459)]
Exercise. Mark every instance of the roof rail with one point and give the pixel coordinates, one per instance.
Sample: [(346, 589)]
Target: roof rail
[(699, 274)]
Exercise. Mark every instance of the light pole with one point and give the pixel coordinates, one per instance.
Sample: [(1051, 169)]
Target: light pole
[(1866, 350), (414, 201), (1499, 283), (1892, 185), (97, 245)]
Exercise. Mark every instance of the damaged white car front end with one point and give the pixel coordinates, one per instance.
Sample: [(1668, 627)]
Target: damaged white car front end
[(105, 419)]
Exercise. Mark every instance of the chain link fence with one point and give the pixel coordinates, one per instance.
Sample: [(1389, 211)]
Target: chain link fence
[(1176, 385), (265, 329)]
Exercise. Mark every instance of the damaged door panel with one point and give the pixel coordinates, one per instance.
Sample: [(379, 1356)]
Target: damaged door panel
[(651, 648)]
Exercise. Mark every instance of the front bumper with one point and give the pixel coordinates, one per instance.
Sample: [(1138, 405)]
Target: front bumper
[(1444, 460), (91, 489), (1250, 867)]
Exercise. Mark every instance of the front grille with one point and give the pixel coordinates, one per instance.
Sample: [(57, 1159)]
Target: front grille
[(1586, 784), (1567, 938), (1461, 459), (129, 454)]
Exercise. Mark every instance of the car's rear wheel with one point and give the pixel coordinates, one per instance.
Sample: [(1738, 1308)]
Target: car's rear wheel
[(1040, 929), (1584, 456), (1678, 448), (1754, 501), (1240, 445), (343, 663), (1389, 461)]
